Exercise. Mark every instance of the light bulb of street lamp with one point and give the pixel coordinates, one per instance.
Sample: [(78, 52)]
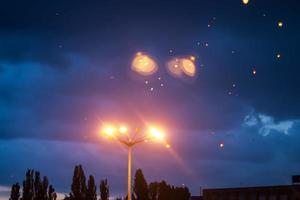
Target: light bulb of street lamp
[(123, 129), (156, 134), (108, 131)]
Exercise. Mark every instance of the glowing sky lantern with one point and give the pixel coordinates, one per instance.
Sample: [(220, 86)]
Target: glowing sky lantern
[(174, 68), (188, 66), (143, 64), (245, 2), (221, 145), (182, 66)]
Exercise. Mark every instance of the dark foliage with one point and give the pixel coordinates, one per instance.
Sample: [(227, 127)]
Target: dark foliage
[(91, 189), (78, 187), (37, 188), (157, 191), (140, 187), (104, 190), (15, 192), (153, 190), (33, 188)]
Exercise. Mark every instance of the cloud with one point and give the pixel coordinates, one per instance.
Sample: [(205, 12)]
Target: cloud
[(25, 47), (56, 88), (4, 189), (4, 192), (194, 159), (69, 104), (267, 124)]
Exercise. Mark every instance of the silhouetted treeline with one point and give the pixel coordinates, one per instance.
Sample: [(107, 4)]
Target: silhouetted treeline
[(34, 188), (81, 189), (157, 190)]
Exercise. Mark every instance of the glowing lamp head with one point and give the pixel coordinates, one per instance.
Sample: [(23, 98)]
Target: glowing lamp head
[(157, 134), (108, 131), (245, 2), (123, 129)]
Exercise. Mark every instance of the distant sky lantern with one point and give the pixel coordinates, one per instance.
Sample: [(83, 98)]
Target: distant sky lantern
[(174, 68), (254, 71), (221, 145), (278, 55), (280, 24), (143, 64), (245, 2)]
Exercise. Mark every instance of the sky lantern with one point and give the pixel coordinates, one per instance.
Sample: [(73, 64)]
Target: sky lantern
[(179, 67), (174, 68), (188, 66), (144, 64)]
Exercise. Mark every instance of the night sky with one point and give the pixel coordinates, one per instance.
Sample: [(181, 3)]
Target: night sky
[(65, 68)]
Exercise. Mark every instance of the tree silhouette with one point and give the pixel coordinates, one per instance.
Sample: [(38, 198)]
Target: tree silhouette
[(91, 189), (43, 189), (33, 188), (140, 187), (78, 187), (28, 186), (104, 190), (164, 191), (15, 192), (37, 188), (153, 190), (51, 193)]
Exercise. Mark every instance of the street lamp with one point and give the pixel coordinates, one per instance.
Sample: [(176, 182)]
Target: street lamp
[(122, 135)]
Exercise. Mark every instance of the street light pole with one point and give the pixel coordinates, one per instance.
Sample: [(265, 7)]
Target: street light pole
[(124, 138), (129, 173)]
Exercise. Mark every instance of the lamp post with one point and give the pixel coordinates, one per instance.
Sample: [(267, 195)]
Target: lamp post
[(129, 140)]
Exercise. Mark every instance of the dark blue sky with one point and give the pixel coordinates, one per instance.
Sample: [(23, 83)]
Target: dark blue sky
[(65, 68)]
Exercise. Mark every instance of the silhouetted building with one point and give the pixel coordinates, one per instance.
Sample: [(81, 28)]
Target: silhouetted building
[(283, 192), (196, 197), (296, 179)]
